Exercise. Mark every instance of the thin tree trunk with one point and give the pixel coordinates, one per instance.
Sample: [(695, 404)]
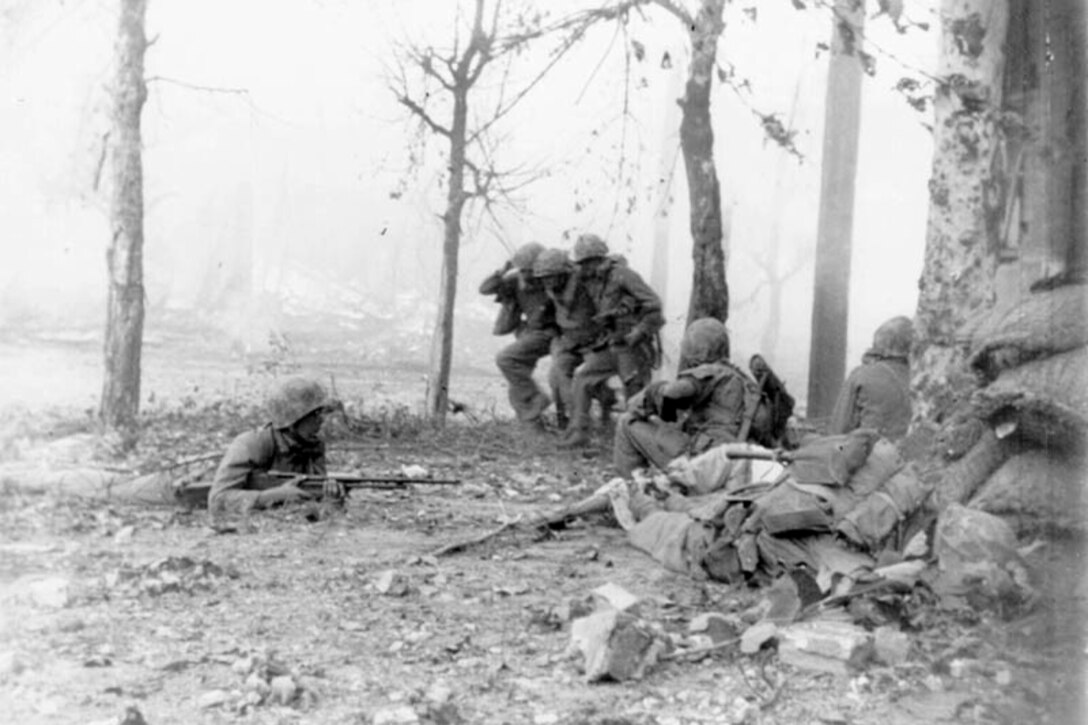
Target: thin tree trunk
[(831, 290), (960, 258), (125, 307), (442, 342), (709, 293)]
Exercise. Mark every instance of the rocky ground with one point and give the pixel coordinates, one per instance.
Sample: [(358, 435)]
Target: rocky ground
[(112, 613)]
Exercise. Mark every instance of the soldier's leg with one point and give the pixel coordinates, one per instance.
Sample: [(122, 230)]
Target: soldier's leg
[(635, 368), (595, 370), (640, 443), (517, 361), (561, 379)]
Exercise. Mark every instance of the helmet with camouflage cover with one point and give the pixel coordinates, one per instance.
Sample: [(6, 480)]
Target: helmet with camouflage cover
[(526, 255), (294, 399), (589, 246), (894, 338), (705, 341), (550, 263)]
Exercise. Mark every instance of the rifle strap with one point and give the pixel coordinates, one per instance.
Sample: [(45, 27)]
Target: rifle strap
[(751, 402)]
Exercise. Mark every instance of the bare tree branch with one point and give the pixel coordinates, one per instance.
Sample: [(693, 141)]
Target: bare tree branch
[(422, 114), (676, 10)]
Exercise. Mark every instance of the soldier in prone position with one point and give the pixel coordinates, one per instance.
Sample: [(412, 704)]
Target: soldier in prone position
[(291, 442), (630, 316), (530, 315)]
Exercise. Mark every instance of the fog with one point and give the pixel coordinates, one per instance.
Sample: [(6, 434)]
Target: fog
[(282, 177)]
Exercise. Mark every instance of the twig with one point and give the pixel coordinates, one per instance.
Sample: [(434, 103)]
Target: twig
[(456, 546)]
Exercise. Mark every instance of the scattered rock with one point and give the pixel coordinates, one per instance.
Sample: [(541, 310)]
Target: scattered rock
[(615, 645), (826, 646), (51, 592), (11, 664), (891, 645), (396, 715), (283, 690), (392, 583), (124, 534), (716, 626), (743, 712), (616, 597), (756, 636), (213, 698)]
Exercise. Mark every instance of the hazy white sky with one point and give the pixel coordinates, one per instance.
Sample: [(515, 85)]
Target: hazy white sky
[(299, 169)]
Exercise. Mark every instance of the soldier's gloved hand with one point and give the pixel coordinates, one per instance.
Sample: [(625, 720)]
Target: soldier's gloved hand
[(634, 337), (288, 492)]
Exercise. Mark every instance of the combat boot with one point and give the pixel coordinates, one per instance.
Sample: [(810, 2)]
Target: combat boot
[(575, 438)]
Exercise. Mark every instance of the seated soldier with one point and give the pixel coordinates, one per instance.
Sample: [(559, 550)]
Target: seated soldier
[(877, 393), (290, 443), (709, 403)]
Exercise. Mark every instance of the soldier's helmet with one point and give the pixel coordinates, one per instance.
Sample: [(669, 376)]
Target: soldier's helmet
[(550, 263), (706, 340), (894, 338), (294, 399), (526, 255), (589, 246)]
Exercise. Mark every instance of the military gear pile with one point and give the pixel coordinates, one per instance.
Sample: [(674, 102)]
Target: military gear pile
[(294, 399)]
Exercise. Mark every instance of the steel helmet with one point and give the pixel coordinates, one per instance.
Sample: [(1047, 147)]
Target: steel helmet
[(894, 338), (705, 341), (551, 262), (525, 256), (589, 246), (294, 399)]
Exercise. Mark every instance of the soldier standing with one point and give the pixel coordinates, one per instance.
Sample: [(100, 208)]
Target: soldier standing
[(629, 314), (877, 393), (578, 331), (529, 313)]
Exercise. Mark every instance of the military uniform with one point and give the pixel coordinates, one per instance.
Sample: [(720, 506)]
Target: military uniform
[(711, 403), (629, 314), (237, 486), (577, 332), (289, 443), (877, 393), (535, 330)]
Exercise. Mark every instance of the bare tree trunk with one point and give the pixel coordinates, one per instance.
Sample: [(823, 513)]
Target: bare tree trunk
[(125, 307), (442, 342), (709, 293), (831, 290), (961, 240)]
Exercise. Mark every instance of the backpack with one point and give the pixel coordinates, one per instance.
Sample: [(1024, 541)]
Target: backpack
[(771, 394)]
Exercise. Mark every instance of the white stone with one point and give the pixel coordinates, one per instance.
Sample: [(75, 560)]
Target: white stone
[(399, 715)]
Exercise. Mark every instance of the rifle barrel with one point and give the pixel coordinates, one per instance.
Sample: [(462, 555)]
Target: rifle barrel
[(349, 479)]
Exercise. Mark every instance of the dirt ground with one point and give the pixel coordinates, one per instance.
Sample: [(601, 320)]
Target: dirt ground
[(182, 617)]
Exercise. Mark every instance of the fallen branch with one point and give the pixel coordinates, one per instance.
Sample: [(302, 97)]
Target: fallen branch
[(594, 504), (700, 651)]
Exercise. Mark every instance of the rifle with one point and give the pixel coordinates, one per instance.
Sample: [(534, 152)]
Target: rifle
[(351, 481), (196, 495)]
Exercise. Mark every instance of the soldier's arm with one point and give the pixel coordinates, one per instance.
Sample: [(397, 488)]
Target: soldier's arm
[(497, 283), (246, 455), (649, 308)]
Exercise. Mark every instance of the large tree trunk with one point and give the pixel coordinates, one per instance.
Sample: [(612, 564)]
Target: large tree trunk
[(125, 311), (831, 291), (709, 293), (962, 236), (438, 393)]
